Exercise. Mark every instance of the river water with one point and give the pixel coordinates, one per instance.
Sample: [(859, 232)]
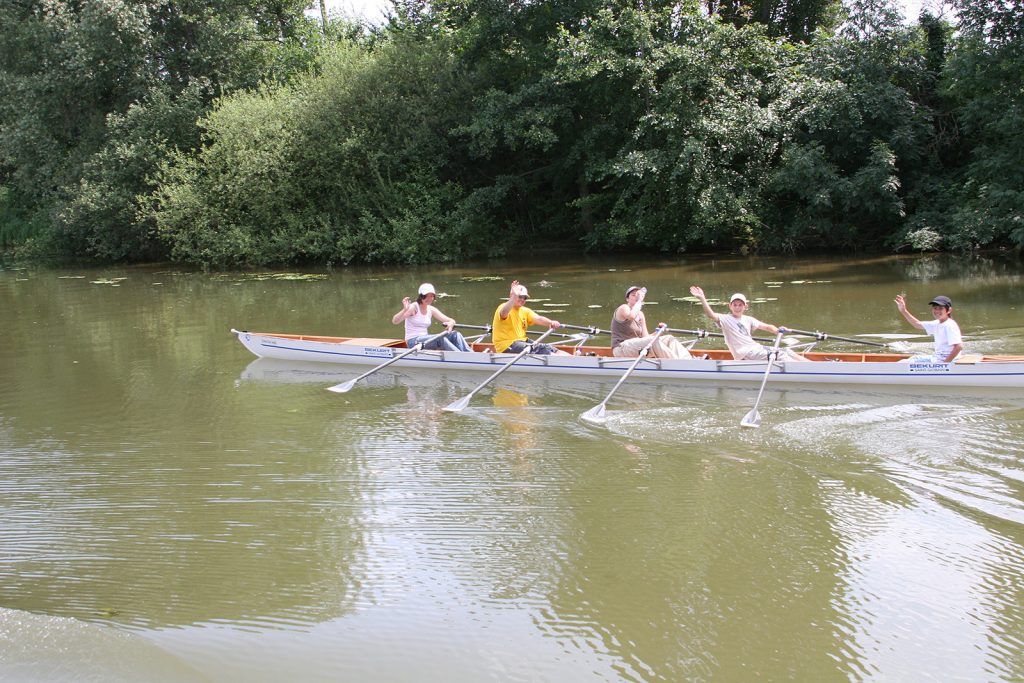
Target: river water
[(173, 510)]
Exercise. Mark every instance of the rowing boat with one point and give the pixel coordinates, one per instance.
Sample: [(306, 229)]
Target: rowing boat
[(707, 366)]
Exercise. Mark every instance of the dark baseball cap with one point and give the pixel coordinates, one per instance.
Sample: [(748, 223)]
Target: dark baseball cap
[(941, 301)]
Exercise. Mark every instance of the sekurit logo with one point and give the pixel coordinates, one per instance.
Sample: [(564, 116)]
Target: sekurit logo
[(377, 352), (929, 367)]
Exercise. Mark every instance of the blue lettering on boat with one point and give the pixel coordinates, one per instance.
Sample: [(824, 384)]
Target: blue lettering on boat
[(929, 367), (377, 352)]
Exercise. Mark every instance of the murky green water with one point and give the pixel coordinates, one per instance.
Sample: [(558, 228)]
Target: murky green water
[(173, 510)]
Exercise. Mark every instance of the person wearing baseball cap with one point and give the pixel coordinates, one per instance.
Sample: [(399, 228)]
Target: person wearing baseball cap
[(417, 317), (511, 320), (949, 343), (738, 328), (630, 334)]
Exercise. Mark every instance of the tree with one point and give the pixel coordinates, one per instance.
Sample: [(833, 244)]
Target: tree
[(75, 76)]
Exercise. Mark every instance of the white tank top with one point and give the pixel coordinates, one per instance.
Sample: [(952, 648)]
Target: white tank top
[(416, 325)]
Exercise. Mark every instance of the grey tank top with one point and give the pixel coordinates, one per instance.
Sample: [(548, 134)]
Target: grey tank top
[(630, 329)]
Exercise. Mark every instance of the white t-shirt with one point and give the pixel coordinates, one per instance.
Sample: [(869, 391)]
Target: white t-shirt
[(947, 334), (739, 337)]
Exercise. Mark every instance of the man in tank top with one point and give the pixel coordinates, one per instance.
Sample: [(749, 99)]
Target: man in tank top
[(630, 334)]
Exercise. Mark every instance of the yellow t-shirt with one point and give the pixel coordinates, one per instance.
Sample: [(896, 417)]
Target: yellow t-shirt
[(513, 328)]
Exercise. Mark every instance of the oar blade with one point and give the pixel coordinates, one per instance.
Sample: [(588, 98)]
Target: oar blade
[(595, 414), (458, 406), (342, 388), (751, 419)]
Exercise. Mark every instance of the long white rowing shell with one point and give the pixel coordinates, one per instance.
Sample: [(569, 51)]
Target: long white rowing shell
[(707, 366)]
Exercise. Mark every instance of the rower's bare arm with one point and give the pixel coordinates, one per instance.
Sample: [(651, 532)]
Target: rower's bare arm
[(708, 311), (901, 304), (406, 311), (443, 319), (504, 310), (547, 322)]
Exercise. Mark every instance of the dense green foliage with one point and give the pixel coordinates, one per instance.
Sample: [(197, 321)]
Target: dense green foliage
[(243, 132), (331, 167)]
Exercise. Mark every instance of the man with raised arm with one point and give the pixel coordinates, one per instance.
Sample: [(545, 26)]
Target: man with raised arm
[(512, 319), (630, 334), (738, 328)]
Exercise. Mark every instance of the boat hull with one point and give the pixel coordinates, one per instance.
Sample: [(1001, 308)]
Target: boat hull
[(836, 369)]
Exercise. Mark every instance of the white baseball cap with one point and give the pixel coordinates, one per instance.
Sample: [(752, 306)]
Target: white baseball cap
[(427, 288), (739, 296)]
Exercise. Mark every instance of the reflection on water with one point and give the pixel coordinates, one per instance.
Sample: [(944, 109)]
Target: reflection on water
[(225, 518), (87, 652)]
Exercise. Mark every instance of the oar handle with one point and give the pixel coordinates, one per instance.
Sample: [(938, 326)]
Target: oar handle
[(822, 336), (486, 328)]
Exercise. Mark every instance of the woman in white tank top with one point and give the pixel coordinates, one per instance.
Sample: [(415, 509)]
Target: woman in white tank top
[(418, 315)]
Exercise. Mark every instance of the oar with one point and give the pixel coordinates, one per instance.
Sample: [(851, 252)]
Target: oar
[(477, 338), (753, 419), (822, 336), (346, 386), (589, 330), (700, 334), (574, 337), (596, 414), (457, 406)]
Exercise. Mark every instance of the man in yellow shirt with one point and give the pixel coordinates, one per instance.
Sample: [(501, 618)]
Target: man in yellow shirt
[(511, 320)]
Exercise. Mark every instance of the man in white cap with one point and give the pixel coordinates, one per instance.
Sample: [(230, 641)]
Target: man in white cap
[(738, 328), (511, 320)]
